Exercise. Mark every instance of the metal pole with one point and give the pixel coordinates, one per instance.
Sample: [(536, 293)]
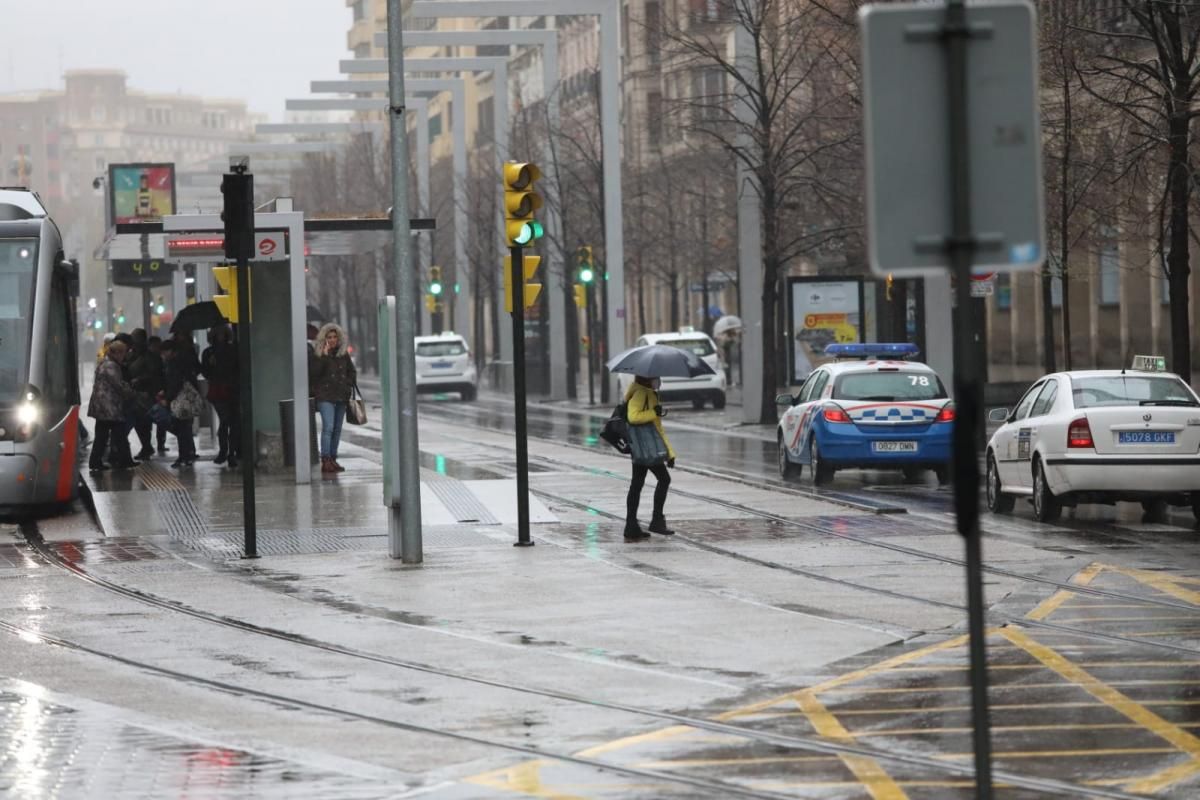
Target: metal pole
[(517, 275), (749, 226), (404, 527), (246, 386), (614, 232), (591, 334), (967, 388), (146, 309)]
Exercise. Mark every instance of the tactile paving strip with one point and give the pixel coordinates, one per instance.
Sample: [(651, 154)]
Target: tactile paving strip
[(461, 503)]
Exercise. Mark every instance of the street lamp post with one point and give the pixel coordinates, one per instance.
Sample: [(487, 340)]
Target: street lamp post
[(100, 182)]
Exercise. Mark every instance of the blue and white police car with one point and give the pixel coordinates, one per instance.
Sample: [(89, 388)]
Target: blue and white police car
[(871, 408)]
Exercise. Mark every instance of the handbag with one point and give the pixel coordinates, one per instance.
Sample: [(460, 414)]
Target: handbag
[(616, 430), (646, 445), (356, 408), (188, 404)]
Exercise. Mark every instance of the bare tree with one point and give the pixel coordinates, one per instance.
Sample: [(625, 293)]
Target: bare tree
[(1148, 68), (804, 132)]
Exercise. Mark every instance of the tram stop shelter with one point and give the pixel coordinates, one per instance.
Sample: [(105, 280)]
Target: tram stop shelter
[(278, 294)]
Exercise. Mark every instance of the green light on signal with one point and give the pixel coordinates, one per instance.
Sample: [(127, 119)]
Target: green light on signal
[(586, 275), (435, 289)]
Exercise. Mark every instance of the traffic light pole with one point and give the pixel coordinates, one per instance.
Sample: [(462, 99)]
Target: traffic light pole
[(591, 334), (517, 270)]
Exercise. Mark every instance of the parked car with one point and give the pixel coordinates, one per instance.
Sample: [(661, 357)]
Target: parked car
[(1098, 436), (700, 390)]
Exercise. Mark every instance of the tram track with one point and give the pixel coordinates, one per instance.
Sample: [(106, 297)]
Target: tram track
[(800, 743)]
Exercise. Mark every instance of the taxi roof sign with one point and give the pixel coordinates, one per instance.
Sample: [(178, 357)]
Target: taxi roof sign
[(1149, 363)]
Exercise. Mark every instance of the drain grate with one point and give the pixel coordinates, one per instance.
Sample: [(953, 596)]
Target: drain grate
[(460, 502)]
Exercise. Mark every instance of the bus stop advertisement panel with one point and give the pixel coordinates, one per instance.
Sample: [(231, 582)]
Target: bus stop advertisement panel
[(821, 311)]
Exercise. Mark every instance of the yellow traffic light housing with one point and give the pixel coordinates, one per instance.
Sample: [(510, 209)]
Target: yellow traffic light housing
[(581, 295), (435, 281), (520, 203), (227, 300), (529, 265)]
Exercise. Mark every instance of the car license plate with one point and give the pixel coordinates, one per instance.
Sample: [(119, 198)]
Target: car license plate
[(894, 447), (1145, 437), (442, 365)]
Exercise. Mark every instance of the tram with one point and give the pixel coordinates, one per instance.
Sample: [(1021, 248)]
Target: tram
[(39, 375)]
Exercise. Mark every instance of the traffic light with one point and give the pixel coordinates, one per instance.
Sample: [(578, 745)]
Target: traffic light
[(529, 265), (587, 268), (435, 281), (120, 316), (238, 216), (581, 295), (227, 301), (430, 303), (159, 305), (520, 201)]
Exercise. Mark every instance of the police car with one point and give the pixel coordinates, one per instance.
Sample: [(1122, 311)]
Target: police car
[(444, 365), (1098, 436), (700, 389), (878, 412)]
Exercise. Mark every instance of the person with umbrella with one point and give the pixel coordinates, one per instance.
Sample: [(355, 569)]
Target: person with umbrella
[(648, 365)]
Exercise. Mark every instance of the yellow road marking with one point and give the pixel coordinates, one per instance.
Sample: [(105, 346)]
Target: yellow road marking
[(1086, 575), (1101, 664), (1163, 582), (1050, 604), (525, 778), (1000, 707), (1088, 605), (1003, 687), (1145, 634), (641, 738), (1152, 784), (676, 763), (872, 776), (1008, 729), (1137, 712), (1113, 751)]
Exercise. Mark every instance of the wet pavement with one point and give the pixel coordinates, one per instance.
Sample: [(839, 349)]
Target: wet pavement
[(789, 642)]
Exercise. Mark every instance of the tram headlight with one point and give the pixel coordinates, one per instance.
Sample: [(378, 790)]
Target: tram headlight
[(29, 414)]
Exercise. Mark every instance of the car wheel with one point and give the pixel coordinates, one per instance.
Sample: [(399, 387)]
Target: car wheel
[(698, 403), (469, 393), (719, 401), (998, 502), (1154, 511), (787, 469), (1046, 507), (822, 473), (943, 475)]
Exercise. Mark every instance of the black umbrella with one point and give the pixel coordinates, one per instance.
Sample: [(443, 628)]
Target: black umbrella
[(660, 361), (197, 317)]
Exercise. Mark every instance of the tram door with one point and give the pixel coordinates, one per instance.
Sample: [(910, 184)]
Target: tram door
[(60, 372)]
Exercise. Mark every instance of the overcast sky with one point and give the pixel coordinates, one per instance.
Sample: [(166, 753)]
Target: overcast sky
[(262, 51)]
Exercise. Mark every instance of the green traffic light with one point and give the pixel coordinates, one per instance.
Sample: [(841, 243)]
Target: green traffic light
[(435, 289), (586, 275), (526, 234), (160, 308)]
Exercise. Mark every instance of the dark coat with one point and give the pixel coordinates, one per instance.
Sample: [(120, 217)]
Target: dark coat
[(332, 377), (219, 364), (177, 371), (146, 372), (110, 393)]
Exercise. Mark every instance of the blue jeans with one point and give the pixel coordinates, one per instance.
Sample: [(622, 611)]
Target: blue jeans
[(332, 415)]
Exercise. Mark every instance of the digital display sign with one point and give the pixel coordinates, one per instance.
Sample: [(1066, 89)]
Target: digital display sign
[(141, 192)]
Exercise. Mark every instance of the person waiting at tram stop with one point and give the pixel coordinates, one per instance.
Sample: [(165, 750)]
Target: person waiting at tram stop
[(643, 407), (219, 364), (179, 380), (111, 395), (332, 376), (146, 377)]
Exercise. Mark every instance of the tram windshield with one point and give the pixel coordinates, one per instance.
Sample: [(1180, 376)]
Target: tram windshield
[(18, 259)]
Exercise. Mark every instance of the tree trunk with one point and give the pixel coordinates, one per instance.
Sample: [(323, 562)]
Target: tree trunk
[(1177, 259), (770, 298), (673, 280)]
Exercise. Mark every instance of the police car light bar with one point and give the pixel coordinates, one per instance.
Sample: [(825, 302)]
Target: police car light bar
[(874, 350)]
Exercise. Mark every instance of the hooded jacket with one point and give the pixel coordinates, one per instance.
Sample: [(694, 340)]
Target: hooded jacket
[(639, 410), (332, 376), (110, 392)]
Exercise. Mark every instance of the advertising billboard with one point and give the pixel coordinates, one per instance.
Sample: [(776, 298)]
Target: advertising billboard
[(821, 312), (141, 192)]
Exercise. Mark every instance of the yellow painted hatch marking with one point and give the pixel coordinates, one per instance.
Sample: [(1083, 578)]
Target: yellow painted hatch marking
[(873, 777)]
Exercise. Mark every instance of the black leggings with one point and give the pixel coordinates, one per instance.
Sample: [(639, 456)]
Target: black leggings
[(639, 480)]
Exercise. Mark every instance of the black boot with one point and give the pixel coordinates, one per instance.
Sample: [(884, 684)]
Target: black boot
[(658, 524), (633, 531)]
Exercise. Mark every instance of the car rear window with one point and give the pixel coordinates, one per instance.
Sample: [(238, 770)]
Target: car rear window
[(887, 387), (699, 347), (436, 349), (1131, 390)]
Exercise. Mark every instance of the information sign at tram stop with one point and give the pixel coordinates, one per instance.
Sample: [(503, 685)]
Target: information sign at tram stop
[(907, 132)]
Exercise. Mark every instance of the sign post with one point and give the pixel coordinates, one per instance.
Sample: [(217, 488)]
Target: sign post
[(943, 78)]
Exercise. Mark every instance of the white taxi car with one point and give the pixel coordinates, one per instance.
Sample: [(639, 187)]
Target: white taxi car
[(701, 389), (1098, 436), (444, 365), (878, 412)]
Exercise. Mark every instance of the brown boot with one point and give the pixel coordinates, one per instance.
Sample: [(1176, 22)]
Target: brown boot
[(327, 465), (336, 466)]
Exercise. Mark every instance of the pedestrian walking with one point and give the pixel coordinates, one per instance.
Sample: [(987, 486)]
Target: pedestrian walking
[(146, 377), (333, 378), (110, 394), (181, 395), (219, 364), (643, 408)]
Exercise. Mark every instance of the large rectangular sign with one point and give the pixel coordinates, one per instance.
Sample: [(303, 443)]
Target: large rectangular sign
[(821, 311), (141, 192), (907, 131)]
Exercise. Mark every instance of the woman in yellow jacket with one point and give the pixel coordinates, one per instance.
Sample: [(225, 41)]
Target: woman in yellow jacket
[(642, 407)]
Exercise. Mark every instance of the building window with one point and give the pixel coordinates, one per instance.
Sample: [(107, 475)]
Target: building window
[(485, 128), (360, 10), (362, 50), (654, 118), (709, 95), (1109, 288), (435, 126), (1003, 291), (653, 33), (484, 50)]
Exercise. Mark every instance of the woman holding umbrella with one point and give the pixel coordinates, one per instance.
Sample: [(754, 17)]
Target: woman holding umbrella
[(642, 407), (648, 364)]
